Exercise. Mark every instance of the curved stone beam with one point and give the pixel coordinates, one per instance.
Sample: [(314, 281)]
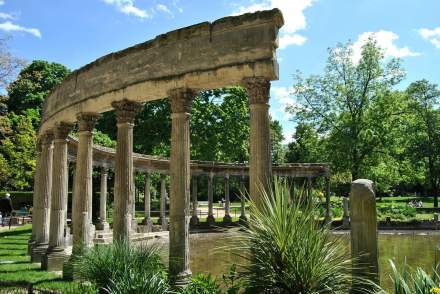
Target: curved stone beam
[(202, 56), (104, 156)]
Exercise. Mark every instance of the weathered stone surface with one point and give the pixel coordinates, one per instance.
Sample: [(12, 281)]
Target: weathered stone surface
[(103, 224), (363, 217), (202, 56)]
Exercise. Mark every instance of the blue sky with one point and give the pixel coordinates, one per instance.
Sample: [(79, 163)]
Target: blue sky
[(76, 32)]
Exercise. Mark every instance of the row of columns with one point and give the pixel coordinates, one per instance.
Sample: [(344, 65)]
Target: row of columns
[(49, 240)]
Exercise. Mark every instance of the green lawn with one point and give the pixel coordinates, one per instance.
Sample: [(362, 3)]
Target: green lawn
[(15, 265)]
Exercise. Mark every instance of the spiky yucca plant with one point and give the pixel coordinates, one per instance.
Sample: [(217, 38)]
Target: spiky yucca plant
[(408, 281), (288, 251)]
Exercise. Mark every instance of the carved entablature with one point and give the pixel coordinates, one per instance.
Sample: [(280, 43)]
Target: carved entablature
[(181, 100), (87, 121), (126, 110), (257, 89)]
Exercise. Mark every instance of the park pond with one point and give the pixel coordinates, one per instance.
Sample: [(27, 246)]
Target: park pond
[(209, 252)]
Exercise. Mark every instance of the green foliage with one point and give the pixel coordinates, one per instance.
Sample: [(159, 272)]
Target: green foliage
[(288, 251), (396, 212), (408, 281), (202, 284), (306, 145), (33, 85), (121, 268)]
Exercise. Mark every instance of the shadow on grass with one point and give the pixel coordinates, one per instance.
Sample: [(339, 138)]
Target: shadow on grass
[(17, 232)]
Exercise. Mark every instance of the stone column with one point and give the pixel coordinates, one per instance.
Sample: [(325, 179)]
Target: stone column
[(260, 163), (309, 188), (103, 224), (123, 201), (147, 199), (181, 102), (227, 218), (163, 203), (210, 220), (55, 256), (364, 247), (83, 183), (345, 216), (36, 199), (67, 230), (194, 217), (328, 208), (44, 193), (243, 217)]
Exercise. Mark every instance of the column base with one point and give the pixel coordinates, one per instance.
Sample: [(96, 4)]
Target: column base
[(194, 220), (37, 252), (31, 244), (345, 222), (102, 226), (242, 219), (227, 219), (54, 260), (182, 279), (210, 220), (134, 225), (163, 224)]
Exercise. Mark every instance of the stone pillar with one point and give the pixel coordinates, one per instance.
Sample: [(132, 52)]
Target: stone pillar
[(243, 217), (103, 224), (44, 193), (260, 163), (123, 191), (163, 203), (181, 102), (133, 227), (363, 217), (194, 217), (147, 199), (345, 216), (83, 183), (210, 220), (328, 208), (67, 231), (227, 218), (36, 208), (55, 256), (309, 185)]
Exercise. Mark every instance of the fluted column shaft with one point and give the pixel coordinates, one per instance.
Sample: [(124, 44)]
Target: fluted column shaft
[(227, 218), (44, 190), (194, 217), (36, 199), (83, 182), (260, 163), (163, 203), (243, 199), (147, 199), (210, 220), (60, 183), (181, 101), (125, 114), (102, 224)]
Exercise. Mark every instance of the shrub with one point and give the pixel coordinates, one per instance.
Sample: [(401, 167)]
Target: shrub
[(124, 268), (287, 251), (202, 284), (396, 212), (407, 281)]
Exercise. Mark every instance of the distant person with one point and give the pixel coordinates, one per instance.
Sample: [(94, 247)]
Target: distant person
[(6, 207)]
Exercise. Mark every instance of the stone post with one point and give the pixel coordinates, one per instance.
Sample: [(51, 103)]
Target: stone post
[(345, 216), (181, 102), (163, 203), (36, 199), (243, 217), (328, 208), (194, 217), (309, 185), (103, 224), (44, 193), (364, 246), (147, 199), (123, 190), (55, 256), (260, 163), (83, 183), (210, 220), (227, 218)]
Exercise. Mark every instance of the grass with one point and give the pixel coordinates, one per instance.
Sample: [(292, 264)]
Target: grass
[(16, 267)]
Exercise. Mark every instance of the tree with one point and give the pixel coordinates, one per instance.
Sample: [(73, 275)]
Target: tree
[(277, 137), (9, 64), (32, 86), (306, 145), (342, 104), (424, 131)]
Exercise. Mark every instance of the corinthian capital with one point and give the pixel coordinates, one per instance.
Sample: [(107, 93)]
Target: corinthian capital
[(47, 138), (62, 129), (257, 89), (126, 110), (87, 120), (181, 99)]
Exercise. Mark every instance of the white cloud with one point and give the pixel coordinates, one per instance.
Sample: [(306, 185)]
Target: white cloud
[(282, 96), (386, 41), (11, 27), (128, 7), (432, 36), (6, 16), (163, 8), (2, 2), (294, 19)]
